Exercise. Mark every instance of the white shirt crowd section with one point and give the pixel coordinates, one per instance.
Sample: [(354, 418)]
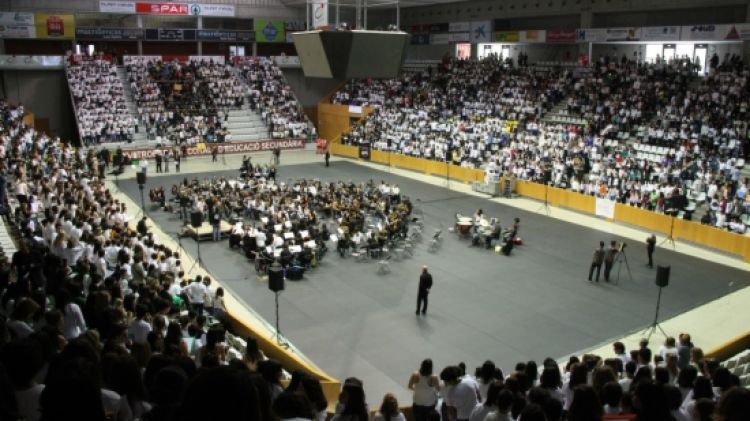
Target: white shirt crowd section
[(102, 113), (648, 135), (273, 98)]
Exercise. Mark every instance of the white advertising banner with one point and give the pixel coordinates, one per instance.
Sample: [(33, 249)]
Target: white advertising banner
[(17, 25), (605, 208), (592, 35), (166, 8), (709, 33), (660, 33), (459, 27), (481, 32), (320, 14), (117, 6)]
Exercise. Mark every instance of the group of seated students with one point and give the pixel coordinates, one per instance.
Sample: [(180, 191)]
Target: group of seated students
[(273, 98), (483, 113), (181, 101), (100, 106)]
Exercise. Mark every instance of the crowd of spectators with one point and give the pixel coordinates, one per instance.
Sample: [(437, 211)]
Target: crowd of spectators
[(98, 321), (100, 105), (272, 96), (485, 114), (184, 102)]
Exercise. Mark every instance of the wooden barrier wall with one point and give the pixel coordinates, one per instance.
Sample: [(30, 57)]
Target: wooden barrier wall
[(334, 120), (693, 232), (290, 362), (28, 119)]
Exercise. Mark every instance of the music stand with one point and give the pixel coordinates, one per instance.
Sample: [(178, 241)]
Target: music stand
[(670, 237)]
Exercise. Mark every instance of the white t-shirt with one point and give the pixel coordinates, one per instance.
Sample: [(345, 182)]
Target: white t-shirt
[(463, 397), (197, 292), (139, 331), (73, 322)]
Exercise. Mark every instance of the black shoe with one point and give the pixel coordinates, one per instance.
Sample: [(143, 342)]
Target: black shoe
[(417, 313), (424, 312)]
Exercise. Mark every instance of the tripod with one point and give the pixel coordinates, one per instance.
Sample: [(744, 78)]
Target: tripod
[(545, 205), (143, 203), (619, 259), (670, 237), (279, 339), (655, 324), (199, 260)]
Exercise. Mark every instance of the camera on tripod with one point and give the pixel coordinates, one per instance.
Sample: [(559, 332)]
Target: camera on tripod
[(622, 247)]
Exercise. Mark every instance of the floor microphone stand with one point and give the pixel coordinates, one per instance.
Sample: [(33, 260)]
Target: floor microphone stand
[(199, 260), (655, 324), (279, 340), (545, 205)]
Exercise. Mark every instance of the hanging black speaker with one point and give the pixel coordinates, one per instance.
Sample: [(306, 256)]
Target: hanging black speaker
[(276, 278), (196, 219), (662, 276), (140, 177)]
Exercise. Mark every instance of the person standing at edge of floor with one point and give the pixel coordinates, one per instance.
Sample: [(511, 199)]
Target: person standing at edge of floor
[(596, 261), (650, 247), (425, 284)]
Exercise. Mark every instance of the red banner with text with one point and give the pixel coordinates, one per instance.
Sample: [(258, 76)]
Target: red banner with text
[(230, 148)]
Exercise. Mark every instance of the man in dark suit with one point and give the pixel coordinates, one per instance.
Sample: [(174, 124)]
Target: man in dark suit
[(596, 261), (425, 283), (609, 259), (650, 246)]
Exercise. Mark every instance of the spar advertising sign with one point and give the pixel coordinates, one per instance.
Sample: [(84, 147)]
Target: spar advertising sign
[(166, 8), (234, 147)]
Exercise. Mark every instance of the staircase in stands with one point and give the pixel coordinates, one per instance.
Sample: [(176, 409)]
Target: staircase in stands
[(245, 124), (139, 139)]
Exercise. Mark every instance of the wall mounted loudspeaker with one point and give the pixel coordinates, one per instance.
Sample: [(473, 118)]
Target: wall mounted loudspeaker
[(276, 278), (662, 276)]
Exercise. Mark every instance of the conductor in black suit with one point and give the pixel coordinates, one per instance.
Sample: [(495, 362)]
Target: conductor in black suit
[(425, 283)]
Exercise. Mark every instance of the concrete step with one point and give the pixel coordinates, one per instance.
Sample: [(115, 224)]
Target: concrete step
[(250, 131), (247, 137), (249, 125)]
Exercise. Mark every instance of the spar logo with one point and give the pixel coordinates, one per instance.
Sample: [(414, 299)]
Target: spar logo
[(195, 9), (270, 32)]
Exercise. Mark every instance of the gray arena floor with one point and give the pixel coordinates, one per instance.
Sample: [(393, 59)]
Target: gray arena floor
[(531, 305)]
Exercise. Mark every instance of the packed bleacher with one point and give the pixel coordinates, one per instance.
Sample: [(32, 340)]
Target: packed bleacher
[(100, 106), (650, 139), (181, 102), (98, 321), (272, 96)]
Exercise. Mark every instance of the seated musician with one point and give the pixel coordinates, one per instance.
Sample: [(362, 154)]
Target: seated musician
[(372, 246), (493, 235), (305, 257), (343, 244), (478, 215), (285, 257), (235, 237)]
